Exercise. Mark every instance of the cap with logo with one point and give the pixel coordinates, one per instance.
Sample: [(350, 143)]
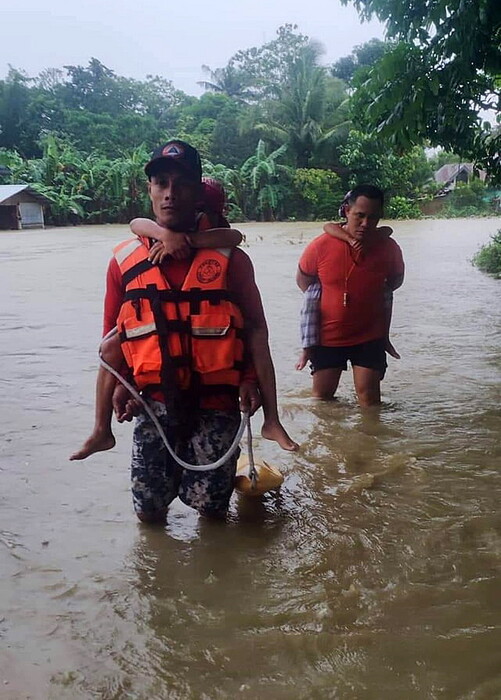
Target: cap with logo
[(175, 151)]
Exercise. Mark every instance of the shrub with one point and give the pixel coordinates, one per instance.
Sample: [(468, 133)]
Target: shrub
[(321, 191), (488, 258), (467, 200), (402, 208)]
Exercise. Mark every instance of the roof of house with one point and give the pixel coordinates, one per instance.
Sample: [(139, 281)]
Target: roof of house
[(8, 191), (449, 171)]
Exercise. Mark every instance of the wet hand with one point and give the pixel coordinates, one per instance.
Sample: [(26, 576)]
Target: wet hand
[(125, 406), (250, 398)]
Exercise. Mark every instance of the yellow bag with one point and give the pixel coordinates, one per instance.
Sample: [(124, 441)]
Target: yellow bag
[(267, 478)]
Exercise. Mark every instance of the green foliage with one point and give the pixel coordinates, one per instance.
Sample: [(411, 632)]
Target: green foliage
[(402, 208), (467, 200), (362, 58), (298, 118), (433, 85), (371, 161), (321, 192), (83, 133), (262, 175), (488, 258), (443, 158), (267, 67)]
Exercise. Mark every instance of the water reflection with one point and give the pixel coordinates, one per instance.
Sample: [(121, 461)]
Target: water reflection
[(374, 574)]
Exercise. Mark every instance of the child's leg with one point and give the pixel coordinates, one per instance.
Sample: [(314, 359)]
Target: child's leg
[(272, 428), (101, 437)]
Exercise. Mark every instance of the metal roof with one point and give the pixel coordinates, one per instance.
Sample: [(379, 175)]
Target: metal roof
[(8, 191)]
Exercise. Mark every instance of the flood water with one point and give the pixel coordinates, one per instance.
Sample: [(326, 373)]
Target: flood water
[(374, 574)]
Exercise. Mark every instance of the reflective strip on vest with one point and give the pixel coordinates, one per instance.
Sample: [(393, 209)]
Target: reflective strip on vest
[(139, 331), (225, 251), (129, 248), (215, 331)]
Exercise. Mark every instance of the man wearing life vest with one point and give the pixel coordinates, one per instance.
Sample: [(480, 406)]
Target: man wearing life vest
[(187, 329)]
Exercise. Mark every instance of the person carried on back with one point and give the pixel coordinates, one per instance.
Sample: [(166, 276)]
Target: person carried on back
[(194, 337), (348, 278)]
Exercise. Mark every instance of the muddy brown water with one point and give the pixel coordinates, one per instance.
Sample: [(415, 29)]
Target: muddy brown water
[(375, 574)]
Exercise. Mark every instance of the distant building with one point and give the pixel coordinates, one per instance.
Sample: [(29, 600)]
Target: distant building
[(452, 173), (21, 207)]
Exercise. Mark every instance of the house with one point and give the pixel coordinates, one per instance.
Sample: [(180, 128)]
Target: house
[(452, 173), (21, 207)]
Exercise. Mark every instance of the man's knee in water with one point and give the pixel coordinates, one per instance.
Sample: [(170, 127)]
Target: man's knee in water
[(156, 517)]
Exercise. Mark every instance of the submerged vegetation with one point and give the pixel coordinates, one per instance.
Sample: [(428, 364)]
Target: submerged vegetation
[(488, 258), (285, 134)]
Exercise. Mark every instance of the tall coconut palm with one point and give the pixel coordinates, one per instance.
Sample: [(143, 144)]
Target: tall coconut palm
[(229, 81), (298, 117)]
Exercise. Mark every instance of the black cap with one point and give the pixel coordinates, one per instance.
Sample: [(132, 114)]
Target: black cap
[(179, 152)]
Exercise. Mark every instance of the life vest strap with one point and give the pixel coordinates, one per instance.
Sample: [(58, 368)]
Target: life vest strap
[(213, 296), (136, 270)]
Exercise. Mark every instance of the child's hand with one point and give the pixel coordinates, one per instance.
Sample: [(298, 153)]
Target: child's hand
[(158, 252), (173, 244)]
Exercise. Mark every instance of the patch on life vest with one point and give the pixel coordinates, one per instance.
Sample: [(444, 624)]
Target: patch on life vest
[(173, 150), (208, 271)]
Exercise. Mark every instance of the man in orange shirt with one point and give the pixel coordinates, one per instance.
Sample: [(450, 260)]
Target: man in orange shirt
[(354, 322)]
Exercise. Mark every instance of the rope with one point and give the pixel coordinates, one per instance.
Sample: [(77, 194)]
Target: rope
[(244, 422), (252, 469)]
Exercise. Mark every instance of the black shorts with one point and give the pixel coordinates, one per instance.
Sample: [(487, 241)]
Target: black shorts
[(371, 355)]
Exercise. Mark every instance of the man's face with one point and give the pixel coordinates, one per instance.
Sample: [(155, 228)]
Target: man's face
[(362, 217), (174, 195)]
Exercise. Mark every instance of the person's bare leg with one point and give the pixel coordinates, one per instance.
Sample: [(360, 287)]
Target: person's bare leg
[(325, 383), (272, 427), (367, 385), (102, 438)]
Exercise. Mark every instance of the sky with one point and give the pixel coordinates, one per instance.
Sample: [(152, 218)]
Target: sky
[(170, 39)]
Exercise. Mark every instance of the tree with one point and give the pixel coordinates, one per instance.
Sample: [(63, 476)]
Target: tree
[(267, 67), (262, 174), (298, 116), (434, 84), (370, 160), (320, 190), (16, 128), (231, 81), (362, 57)]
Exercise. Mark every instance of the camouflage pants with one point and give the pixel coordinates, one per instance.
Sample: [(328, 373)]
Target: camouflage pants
[(157, 479)]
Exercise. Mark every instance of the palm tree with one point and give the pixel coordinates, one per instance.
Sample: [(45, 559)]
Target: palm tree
[(298, 118), (229, 81), (262, 173)]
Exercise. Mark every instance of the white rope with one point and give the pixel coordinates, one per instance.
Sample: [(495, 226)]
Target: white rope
[(252, 469), (244, 422)]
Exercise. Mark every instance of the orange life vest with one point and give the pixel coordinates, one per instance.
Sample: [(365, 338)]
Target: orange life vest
[(191, 336)]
